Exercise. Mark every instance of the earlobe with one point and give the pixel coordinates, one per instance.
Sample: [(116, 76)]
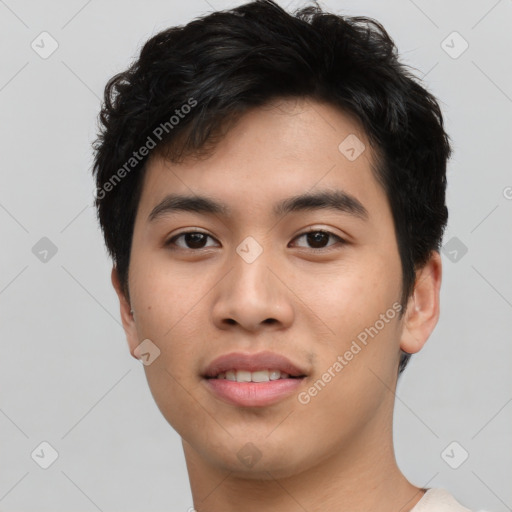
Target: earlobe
[(422, 312), (127, 316)]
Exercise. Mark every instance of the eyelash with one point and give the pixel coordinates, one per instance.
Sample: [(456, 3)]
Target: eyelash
[(169, 243)]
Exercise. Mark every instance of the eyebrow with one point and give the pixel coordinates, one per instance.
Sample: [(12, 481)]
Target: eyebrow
[(337, 200)]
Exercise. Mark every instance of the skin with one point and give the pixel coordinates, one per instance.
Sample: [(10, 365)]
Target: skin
[(335, 452)]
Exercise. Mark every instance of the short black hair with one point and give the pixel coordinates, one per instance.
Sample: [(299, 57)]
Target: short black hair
[(191, 83)]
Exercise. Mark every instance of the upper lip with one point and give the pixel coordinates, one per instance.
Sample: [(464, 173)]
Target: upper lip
[(252, 362)]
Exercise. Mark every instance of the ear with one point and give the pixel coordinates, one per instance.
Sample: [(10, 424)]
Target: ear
[(422, 311), (126, 314)]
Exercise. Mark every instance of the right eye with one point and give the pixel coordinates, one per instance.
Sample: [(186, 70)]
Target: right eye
[(194, 239)]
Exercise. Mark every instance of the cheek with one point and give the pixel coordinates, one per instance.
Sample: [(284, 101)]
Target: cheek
[(351, 296), (164, 296), (170, 313), (178, 399), (355, 374), (359, 306)]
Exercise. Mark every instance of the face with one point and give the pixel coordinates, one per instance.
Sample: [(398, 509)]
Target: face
[(317, 282)]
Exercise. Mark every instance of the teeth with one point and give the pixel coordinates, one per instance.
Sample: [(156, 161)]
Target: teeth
[(260, 376), (274, 374), (257, 376), (243, 376)]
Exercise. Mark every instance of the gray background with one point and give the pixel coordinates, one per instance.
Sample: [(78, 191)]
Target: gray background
[(66, 375)]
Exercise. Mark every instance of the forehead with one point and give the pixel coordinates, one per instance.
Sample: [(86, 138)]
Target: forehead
[(283, 149)]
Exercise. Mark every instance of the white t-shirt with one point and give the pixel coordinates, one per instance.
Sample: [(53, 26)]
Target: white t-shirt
[(439, 500)]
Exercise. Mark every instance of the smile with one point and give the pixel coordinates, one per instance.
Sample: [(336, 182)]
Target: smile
[(256, 376)]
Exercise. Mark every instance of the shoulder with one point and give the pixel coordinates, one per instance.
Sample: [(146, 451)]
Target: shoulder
[(439, 500)]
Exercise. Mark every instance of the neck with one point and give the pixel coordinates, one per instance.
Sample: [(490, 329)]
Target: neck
[(360, 477)]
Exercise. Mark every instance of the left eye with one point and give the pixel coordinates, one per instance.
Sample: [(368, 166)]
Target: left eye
[(196, 239), (318, 237)]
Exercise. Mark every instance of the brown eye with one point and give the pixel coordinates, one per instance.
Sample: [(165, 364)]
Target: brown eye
[(196, 240), (319, 238), (193, 240)]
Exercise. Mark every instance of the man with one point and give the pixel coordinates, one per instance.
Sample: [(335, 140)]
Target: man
[(271, 188)]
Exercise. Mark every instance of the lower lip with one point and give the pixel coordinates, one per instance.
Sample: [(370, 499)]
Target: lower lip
[(253, 394)]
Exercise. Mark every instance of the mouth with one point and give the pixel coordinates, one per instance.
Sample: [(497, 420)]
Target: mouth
[(256, 376), (253, 380)]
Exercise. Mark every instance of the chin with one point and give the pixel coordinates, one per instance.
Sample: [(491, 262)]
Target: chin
[(256, 458)]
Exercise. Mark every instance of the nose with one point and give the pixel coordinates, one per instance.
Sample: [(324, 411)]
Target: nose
[(253, 295)]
